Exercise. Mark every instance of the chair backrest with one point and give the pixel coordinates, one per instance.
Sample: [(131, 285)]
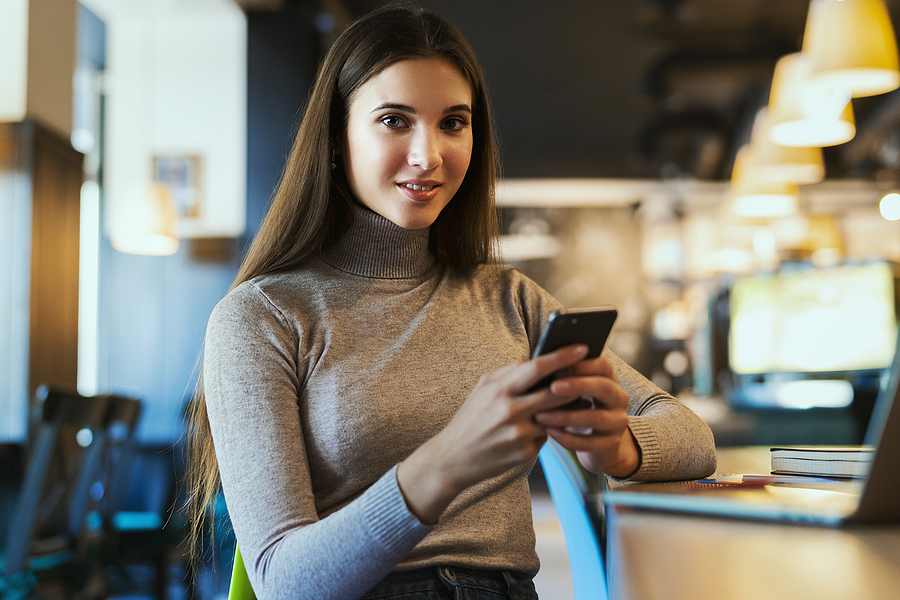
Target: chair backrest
[(580, 521), (69, 452), (64, 455), (118, 449), (240, 588)]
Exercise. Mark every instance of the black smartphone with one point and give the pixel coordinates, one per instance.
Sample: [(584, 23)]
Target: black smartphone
[(590, 326)]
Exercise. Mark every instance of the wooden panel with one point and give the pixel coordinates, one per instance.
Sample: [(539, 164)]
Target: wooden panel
[(56, 188)]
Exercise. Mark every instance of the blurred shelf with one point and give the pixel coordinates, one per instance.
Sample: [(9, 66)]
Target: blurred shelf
[(829, 196)]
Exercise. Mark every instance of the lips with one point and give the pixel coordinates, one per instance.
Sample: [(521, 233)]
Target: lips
[(419, 191)]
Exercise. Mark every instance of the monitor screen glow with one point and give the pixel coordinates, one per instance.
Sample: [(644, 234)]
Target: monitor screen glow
[(813, 320)]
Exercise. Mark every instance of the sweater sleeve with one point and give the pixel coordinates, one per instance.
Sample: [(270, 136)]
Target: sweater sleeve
[(252, 383), (674, 442)]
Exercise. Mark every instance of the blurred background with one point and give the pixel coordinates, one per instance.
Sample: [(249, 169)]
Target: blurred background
[(712, 169)]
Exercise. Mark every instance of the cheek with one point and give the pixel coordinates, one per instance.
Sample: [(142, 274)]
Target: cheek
[(461, 156), (367, 156), (383, 154), (361, 148)]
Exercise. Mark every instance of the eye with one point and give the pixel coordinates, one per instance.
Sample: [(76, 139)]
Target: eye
[(392, 121), (455, 123)]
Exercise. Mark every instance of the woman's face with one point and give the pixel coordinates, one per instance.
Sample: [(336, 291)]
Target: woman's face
[(409, 140)]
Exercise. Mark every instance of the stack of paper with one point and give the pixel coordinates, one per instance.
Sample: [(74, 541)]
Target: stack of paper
[(822, 461)]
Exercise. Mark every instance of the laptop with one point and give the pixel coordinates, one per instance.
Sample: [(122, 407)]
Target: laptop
[(874, 497)]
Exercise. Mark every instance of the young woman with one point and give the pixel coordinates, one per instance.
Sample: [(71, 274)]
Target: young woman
[(366, 380)]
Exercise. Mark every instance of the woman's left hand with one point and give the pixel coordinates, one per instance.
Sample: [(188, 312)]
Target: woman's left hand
[(598, 434)]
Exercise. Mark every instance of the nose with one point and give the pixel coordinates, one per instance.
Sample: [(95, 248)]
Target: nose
[(425, 150)]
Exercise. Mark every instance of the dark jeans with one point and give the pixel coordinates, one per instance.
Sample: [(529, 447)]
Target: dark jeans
[(454, 583)]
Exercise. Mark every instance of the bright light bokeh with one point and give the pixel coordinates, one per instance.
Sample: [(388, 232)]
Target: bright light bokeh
[(88, 290), (831, 393), (890, 207)]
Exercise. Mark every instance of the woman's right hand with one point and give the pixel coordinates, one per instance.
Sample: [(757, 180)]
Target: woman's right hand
[(493, 431)]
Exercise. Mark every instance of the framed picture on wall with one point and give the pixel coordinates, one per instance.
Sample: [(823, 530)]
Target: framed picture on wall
[(182, 175)]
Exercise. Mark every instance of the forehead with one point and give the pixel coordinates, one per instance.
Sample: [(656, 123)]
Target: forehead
[(419, 83)]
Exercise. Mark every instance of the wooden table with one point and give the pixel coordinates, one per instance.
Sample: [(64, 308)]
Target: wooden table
[(655, 555)]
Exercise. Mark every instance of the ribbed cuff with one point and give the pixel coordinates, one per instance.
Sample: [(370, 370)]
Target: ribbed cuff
[(389, 518), (649, 446)]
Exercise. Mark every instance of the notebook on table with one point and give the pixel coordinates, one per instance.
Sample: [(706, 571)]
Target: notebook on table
[(822, 461), (872, 497)]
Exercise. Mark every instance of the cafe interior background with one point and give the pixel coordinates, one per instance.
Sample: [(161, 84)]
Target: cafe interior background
[(689, 162)]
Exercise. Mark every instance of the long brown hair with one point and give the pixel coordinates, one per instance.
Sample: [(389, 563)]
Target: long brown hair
[(312, 206)]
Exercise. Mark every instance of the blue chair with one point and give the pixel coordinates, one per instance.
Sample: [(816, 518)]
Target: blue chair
[(581, 523)]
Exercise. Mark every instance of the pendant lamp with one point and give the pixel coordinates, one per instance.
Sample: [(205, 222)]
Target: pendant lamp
[(805, 115), (851, 45), (775, 163), (752, 198), (146, 222)]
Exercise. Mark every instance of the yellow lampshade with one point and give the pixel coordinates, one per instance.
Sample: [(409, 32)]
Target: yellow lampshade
[(146, 222), (775, 163), (805, 115), (751, 197), (823, 233), (851, 45), (768, 203)]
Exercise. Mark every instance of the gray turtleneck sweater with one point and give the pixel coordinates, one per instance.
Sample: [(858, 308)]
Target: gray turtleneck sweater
[(320, 380)]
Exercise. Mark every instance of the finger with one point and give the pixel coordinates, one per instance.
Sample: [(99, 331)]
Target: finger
[(586, 442), (594, 366), (545, 365), (599, 420), (605, 391), (501, 373), (544, 400)]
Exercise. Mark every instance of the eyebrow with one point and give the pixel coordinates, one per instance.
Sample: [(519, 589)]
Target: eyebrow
[(410, 109)]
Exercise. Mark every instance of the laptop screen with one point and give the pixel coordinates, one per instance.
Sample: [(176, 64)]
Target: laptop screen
[(882, 488)]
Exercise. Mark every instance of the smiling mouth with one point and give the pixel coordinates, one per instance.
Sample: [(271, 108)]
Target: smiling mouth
[(418, 188)]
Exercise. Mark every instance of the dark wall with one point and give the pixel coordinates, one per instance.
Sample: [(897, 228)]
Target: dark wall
[(153, 313), (631, 88), (549, 67), (281, 63)]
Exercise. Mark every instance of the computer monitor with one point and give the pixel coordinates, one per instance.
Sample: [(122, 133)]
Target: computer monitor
[(822, 329)]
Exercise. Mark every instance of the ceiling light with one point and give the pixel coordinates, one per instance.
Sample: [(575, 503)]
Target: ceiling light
[(851, 45), (775, 163), (146, 222), (766, 204), (751, 197), (806, 115)]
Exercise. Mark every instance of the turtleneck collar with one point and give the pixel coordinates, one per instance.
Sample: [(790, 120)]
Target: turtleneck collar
[(375, 247)]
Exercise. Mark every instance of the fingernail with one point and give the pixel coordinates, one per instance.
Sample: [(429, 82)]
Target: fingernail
[(560, 388), (580, 350)]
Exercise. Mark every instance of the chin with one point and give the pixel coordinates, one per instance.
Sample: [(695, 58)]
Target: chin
[(412, 221)]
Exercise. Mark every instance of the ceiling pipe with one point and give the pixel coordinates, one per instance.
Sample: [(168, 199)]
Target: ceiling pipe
[(881, 121), (655, 83)]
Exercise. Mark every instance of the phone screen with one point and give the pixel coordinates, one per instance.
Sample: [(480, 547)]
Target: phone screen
[(590, 326)]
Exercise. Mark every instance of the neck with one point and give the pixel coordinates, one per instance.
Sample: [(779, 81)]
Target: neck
[(375, 247)]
